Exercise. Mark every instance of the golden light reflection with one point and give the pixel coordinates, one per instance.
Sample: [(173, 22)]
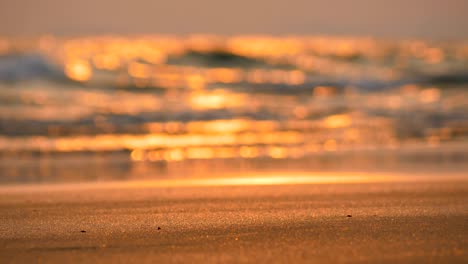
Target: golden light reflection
[(78, 70), (323, 55), (278, 152), (172, 155), (220, 126), (137, 155), (338, 121), (200, 153), (281, 98), (175, 141), (201, 100), (289, 179), (215, 99), (245, 179), (248, 152)]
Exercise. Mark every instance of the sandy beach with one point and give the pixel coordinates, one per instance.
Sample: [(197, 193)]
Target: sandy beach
[(374, 222), (234, 131)]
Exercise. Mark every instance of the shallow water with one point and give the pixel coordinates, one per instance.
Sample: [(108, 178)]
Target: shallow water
[(107, 107)]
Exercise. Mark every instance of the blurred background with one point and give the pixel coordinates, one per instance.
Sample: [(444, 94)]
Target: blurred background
[(113, 90)]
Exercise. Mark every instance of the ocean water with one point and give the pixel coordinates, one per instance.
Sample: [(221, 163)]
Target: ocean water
[(113, 107)]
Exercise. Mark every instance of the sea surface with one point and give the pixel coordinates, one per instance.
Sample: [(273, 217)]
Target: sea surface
[(104, 108)]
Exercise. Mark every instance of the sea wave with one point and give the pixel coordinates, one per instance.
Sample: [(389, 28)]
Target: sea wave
[(275, 97)]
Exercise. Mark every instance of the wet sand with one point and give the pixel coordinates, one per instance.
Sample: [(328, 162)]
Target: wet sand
[(381, 222)]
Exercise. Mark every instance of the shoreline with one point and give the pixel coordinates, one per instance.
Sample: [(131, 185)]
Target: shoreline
[(244, 179)]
